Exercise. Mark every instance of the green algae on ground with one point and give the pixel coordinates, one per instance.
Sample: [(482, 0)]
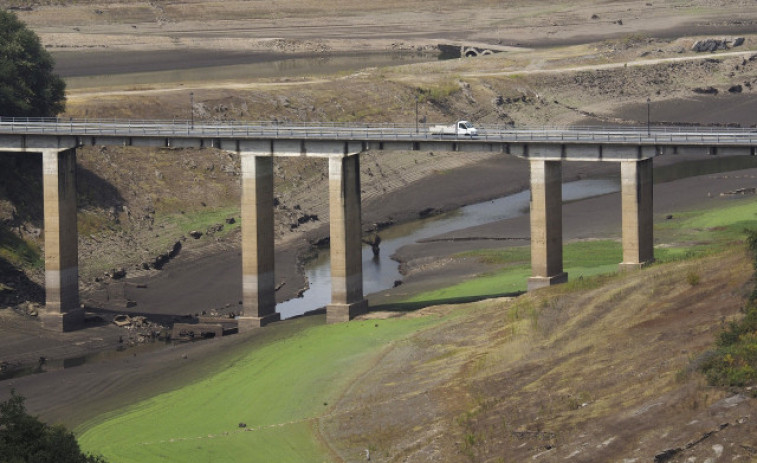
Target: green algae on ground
[(689, 234), (277, 391)]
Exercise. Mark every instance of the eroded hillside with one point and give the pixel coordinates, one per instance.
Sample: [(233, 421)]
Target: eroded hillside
[(598, 370)]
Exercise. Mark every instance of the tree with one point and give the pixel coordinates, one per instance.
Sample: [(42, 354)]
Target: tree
[(28, 87), (25, 439)]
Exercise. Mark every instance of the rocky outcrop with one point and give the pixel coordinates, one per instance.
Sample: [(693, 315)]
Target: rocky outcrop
[(712, 45)]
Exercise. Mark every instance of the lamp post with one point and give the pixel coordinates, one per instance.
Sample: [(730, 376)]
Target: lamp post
[(416, 113), (192, 108), (648, 129)]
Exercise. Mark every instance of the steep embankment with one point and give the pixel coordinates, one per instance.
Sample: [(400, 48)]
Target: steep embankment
[(598, 370)]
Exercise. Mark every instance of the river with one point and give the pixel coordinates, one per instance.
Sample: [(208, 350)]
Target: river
[(381, 273)]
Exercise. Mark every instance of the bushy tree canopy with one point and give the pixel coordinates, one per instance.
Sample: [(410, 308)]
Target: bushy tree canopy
[(28, 86), (25, 439)]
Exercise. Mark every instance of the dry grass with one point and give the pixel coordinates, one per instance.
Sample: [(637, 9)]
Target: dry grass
[(605, 369)]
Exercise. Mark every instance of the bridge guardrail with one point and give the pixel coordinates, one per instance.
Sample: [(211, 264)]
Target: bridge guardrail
[(377, 131)]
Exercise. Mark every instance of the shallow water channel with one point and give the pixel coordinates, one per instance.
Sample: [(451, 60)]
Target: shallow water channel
[(382, 272)]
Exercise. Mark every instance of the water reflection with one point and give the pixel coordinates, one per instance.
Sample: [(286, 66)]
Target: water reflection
[(381, 273)]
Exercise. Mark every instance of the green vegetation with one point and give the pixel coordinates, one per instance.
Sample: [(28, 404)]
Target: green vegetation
[(580, 260), (201, 220), (438, 93), (734, 361), (24, 438), (277, 389), (18, 251), (28, 86), (690, 234)]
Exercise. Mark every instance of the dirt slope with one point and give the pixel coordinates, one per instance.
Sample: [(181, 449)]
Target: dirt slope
[(595, 374)]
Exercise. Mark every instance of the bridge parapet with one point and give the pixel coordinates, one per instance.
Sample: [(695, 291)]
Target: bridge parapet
[(328, 139)]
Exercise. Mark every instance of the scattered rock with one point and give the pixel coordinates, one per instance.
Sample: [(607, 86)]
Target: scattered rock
[(666, 455), (122, 320), (213, 229), (428, 212), (711, 45), (174, 251), (307, 218), (706, 90), (116, 273), (740, 192), (160, 261), (32, 309)]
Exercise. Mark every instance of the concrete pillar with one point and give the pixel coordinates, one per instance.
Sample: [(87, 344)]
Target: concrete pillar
[(346, 249), (637, 209), (62, 311), (546, 224), (258, 280)]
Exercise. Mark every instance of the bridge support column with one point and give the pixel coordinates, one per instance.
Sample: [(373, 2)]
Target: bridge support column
[(546, 224), (346, 248), (258, 279), (62, 311), (637, 210)]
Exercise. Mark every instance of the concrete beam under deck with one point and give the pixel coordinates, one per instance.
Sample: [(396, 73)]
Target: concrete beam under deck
[(36, 143), (584, 151)]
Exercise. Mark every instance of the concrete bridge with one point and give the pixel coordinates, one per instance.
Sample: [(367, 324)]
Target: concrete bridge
[(257, 144)]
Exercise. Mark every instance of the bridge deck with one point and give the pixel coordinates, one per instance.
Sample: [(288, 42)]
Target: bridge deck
[(98, 129)]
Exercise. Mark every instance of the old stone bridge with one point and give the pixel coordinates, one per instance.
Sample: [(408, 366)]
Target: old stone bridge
[(257, 143)]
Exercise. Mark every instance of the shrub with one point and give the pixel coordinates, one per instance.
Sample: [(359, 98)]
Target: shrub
[(24, 438), (734, 360), (28, 86)]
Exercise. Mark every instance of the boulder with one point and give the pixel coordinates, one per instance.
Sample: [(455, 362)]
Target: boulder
[(213, 229), (195, 234), (116, 273), (160, 261), (711, 45), (174, 251)]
